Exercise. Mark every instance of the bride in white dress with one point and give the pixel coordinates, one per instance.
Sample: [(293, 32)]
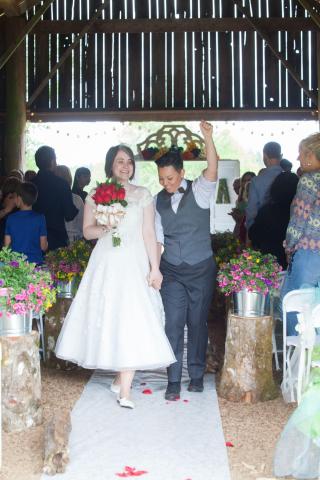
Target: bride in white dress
[(116, 321)]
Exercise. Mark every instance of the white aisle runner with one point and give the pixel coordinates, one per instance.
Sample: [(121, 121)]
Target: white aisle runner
[(180, 440)]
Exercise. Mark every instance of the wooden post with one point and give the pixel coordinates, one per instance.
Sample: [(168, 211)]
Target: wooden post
[(247, 370), (15, 119), (21, 382)]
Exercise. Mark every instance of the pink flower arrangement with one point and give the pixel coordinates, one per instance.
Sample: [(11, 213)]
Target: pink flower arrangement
[(252, 271)]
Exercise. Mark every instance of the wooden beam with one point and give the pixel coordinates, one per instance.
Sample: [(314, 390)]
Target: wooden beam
[(16, 7), (169, 115), (66, 54), (161, 25), (318, 72), (276, 52), (29, 26), (309, 6)]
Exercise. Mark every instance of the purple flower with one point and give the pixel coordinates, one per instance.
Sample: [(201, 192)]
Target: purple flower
[(14, 263), (1, 282)]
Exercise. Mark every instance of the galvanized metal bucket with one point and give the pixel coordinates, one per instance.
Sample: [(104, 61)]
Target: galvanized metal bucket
[(66, 289), (14, 325), (251, 304)]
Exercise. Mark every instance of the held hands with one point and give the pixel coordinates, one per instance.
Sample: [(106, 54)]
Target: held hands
[(206, 129), (155, 279)]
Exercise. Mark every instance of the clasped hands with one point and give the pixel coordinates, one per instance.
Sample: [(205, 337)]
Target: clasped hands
[(154, 279)]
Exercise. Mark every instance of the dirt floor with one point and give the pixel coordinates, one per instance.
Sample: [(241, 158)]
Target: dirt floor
[(252, 429)]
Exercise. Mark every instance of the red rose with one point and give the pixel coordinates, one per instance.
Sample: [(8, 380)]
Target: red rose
[(121, 194), (114, 196)]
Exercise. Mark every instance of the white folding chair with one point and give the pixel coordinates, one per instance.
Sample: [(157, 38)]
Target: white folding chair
[(294, 301), (275, 315)]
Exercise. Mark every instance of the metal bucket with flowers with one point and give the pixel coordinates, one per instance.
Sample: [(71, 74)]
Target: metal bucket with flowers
[(25, 290)]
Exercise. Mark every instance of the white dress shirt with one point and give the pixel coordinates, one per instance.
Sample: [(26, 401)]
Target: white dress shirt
[(204, 194)]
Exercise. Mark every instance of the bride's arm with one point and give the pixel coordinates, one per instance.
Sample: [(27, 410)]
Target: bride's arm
[(150, 241), (91, 230)]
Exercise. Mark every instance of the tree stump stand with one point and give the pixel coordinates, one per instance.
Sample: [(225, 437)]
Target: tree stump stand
[(21, 382), (56, 440), (247, 370), (54, 319)]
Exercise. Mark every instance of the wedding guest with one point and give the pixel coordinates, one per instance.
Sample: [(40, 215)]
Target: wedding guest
[(236, 185), (17, 173), (239, 212), (285, 165), (74, 227), (82, 178), (8, 203), (26, 230), (260, 185), (302, 242), (187, 263), (268, 230), (29, 175), (54, 198), (116, 319)]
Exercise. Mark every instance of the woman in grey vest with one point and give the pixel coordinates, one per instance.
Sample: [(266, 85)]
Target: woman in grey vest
[(187, 264)]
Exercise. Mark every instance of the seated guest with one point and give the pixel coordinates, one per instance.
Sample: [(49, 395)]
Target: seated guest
[(54, 198), (82, 178), (26, 230), (74, 227), (29, 175), (286, 165), (8, 203), (268, 230)]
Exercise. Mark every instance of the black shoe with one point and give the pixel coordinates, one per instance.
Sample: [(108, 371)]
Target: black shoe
[(196, 385), (173, 391)]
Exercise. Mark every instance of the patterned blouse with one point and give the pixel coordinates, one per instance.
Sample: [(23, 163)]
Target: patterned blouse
[(304, 226)]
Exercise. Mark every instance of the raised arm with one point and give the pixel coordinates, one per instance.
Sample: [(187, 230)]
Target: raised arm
[(150, 241), (211, 172)]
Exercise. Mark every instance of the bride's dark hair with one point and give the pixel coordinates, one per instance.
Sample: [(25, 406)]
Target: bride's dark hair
[(111, 154)]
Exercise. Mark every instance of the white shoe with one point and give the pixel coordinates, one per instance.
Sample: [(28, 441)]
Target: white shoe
[(115, 388), (124, 402)]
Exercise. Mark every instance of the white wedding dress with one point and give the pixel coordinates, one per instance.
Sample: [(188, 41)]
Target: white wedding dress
[(116, 321)]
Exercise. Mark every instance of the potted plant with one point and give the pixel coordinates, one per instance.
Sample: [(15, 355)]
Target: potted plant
[(250, 278), (67, 266), (24, 289)]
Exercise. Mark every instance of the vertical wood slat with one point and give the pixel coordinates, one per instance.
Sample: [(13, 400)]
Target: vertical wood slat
[(189, 79), (135, 71), (89, 72), (259, 72), (123, 71), (42, 53), (158, 70), (294, 60), (179, 71), (2, 74), (77, 85), (100, 71), (236, 69), (198, 69), (65, 73), (31, 65), (169, 70), (271, 73), (205, 80), (248, 71), (108, 70), (225, 77), (213, 74)]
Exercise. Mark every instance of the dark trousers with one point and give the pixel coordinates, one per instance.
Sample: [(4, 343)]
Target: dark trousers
[(186, 294)]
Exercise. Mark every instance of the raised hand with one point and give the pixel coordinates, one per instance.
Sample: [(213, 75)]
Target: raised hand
[(206, 129)]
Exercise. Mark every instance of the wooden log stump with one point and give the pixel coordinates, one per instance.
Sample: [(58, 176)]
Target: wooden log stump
[(56, 439), (53, 323), (247, 370), (21, 382)]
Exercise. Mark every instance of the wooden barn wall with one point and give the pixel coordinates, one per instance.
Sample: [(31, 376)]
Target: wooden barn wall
[(162, 71)]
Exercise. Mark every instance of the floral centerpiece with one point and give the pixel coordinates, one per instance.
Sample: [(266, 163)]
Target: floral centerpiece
[(69, 263), (23, 286), (190, 152), (109, 198), (252, 271)]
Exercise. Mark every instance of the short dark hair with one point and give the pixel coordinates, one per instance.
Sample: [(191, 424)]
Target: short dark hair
[(10, 185), (172, 158), (28, 193), (111, 155), (44, 156), (286, 165), (272, 150)]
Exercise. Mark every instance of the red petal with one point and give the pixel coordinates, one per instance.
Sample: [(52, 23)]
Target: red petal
[(229, 444), (143, 383), (186, 401), (122, 475), (147, 391)]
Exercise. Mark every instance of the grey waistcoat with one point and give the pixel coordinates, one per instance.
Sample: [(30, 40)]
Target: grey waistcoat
[(187, 232)]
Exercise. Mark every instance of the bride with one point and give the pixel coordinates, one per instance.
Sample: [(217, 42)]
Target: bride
[(116, 321)]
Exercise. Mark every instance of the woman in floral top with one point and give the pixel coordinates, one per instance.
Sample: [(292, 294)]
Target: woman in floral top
[(303, 234)]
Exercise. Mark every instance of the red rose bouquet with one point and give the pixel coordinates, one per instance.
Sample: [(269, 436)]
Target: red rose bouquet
[(110, 203)]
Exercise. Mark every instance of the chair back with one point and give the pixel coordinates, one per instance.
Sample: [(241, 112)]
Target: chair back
[(296, 300)]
